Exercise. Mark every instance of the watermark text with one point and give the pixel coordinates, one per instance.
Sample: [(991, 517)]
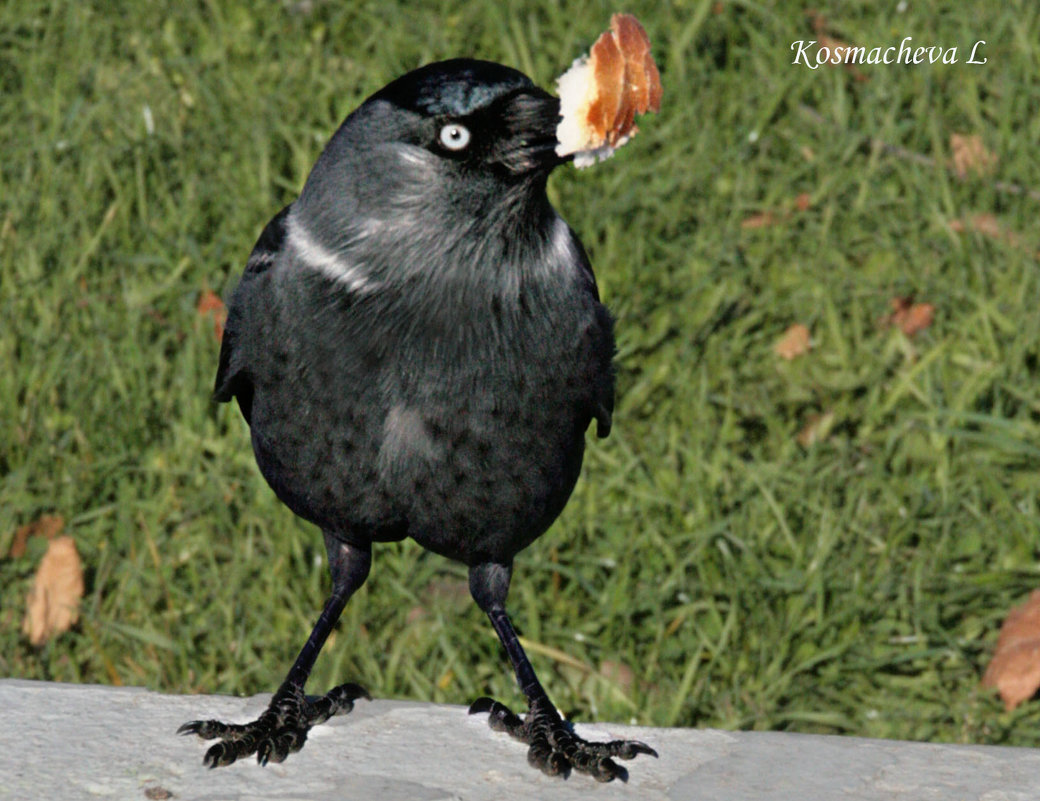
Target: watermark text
[(809, 54)]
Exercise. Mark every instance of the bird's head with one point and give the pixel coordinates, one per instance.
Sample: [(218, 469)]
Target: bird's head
[(478, 115), (438, 177), (446, 143)]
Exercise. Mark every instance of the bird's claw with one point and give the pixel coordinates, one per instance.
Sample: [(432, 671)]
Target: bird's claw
[(554, 748), (281, 730)]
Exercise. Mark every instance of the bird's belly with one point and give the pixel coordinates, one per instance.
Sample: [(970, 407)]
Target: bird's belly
[(473, 475), (483, 486)]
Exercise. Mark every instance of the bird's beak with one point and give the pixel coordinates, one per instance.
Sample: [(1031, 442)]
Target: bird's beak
[(531, 117)]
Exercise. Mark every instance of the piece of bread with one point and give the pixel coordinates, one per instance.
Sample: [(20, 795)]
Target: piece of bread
[(601, 93)]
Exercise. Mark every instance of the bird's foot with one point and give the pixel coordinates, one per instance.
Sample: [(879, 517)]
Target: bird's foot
[(554, 747), (281, 730)]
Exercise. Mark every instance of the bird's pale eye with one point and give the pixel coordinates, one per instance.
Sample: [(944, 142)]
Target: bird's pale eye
[(455, 136)]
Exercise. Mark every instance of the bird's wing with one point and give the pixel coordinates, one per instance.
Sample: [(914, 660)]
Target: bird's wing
[(232, 381), (601, 365), (603, 398)]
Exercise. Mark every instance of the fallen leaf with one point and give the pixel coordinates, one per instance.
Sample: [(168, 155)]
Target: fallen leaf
[(909, 317), (987, 225), (918, 317), (53, 603), (762, 220), (618, 673), (841, 48), (1014, 669), (48, 526), (793, 343), (210, 304), (802, 203), (970, 155), (816, 429), (824, 39)]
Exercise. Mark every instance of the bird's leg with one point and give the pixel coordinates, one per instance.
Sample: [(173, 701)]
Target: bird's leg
[(554, 747), (282, 728)]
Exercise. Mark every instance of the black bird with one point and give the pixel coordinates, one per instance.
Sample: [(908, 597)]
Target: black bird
[(418, 346)]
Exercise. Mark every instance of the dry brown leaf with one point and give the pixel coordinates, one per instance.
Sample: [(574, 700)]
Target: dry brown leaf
[(918, 318), (987, 225), (48, 526), (210, 304), (824, 39), (837, 45), (793, 343), (618, 673), (801, 203), (816, 429), (1015, 668), (909, 317), (53, 603), (763, 220), (970, 155)]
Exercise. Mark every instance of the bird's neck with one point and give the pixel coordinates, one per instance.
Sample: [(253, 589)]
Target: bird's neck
[(442, 255)]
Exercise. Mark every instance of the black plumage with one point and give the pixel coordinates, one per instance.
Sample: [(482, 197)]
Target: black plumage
[(418, 346)]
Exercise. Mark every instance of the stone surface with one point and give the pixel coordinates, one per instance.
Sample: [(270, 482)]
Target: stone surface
[(60, 741)]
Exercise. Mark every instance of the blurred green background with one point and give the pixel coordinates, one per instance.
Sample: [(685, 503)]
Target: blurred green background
[(825, 544)]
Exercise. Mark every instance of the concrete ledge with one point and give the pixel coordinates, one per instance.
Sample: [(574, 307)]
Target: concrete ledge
[(61, 741)]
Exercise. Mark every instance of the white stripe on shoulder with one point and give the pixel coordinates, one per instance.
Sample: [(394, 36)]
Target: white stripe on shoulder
[(562, 245), (315, 256)]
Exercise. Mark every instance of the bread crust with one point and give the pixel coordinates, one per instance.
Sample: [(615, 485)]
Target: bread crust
[(601, 94)]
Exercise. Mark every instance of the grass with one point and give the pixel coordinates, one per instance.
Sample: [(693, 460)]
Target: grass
[(709, 570)]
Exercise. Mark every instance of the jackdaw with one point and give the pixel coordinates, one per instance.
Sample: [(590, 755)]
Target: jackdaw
[(418, 347)]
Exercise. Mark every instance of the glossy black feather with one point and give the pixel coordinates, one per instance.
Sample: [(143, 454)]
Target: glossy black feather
[(232, 381), (441, 388)]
